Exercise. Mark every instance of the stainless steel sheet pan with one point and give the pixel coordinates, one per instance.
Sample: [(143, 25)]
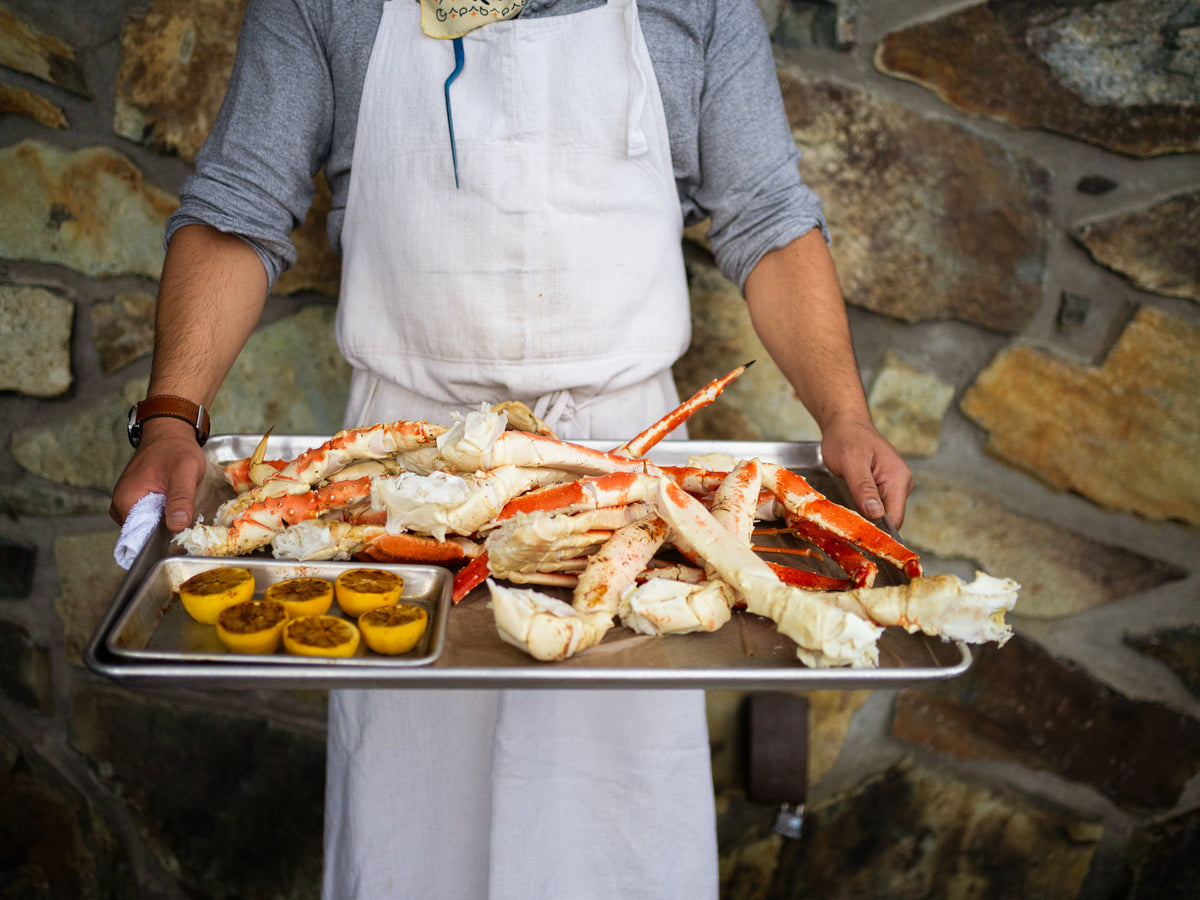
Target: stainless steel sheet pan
[(145, 637)]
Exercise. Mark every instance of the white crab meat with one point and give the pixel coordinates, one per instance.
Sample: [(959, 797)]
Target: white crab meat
[(442, 502), (825, 635), (663, 606), (316, 539), (465, 445), (545, 542)]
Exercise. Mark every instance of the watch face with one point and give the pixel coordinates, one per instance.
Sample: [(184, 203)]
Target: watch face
[(133, 427)]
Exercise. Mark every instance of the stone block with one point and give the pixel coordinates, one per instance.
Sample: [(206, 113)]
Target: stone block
[(123, 326), (231, 803), (35, 341), (911, 832), (1094, 72), (907, 406), (52, 450), (1176, 648), (1154, 247), (176, 59), (1164, 858), (1124, 434), (290, 376), (89, 578), (90, 210), (53, 841), (931, 221), (1020, 705), (18, 101), (27, 48), (25, 670)]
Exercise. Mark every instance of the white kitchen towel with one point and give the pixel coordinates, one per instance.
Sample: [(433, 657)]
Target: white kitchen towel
[(139, 525)]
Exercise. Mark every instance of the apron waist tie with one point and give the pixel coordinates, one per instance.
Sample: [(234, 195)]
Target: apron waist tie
[(555, 408)]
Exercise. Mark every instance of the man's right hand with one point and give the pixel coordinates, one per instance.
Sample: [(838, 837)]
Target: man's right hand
[(210, 297), (168, 461)]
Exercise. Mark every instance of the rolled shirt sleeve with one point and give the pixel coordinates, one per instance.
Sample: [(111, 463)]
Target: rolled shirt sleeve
[(751, 185), (254, 174)]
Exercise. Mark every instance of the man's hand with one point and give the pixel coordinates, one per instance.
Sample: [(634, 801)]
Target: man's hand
[(878, 478), (210, 296), (168, 461)]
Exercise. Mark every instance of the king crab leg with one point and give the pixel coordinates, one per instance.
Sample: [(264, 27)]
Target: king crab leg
[(258, 525), (642, 444), (852, 561), (802, 500), (661, 606), (337, 539), (939, 605), (315, 465), (824, 634), (443, 502), (550, 629)]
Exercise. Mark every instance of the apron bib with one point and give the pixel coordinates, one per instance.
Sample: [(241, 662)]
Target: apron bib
[(564, 289), (556, 264)]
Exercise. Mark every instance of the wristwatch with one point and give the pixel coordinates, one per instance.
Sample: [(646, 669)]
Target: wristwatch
[(167, 405)]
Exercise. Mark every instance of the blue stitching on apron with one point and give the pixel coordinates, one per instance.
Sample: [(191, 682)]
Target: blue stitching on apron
[(458, 66)]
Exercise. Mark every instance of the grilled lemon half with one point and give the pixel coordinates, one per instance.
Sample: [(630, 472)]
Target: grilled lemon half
[(393, 630), (204, 595), (252, 626), (361, 590), (320, 636), (302, 596)]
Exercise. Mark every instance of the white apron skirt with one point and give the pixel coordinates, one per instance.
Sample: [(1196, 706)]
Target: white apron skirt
[(552, 276)]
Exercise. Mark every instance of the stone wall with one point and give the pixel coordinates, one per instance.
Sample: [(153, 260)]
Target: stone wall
[(1014, 195)]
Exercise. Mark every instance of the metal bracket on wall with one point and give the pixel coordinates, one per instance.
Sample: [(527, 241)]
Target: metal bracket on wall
[(777, 757)]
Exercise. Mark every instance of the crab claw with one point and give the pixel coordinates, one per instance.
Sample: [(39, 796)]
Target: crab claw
[(544, 627)]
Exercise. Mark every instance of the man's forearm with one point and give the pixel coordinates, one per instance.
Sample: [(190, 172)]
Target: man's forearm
[(796, 305), (210, 298), (797, 309)]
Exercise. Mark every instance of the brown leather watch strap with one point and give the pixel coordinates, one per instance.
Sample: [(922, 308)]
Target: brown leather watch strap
[(168, 405)]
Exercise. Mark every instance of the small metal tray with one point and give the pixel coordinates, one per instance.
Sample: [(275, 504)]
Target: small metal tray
[(145, 636), (154, 626)]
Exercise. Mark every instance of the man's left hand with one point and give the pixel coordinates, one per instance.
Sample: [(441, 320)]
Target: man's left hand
[(878, 478)]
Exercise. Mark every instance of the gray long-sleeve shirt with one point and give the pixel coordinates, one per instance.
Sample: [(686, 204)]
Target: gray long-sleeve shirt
[(292, 108)]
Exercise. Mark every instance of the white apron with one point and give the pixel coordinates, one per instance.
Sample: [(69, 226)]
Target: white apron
[(557, 261), (516, 794)]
